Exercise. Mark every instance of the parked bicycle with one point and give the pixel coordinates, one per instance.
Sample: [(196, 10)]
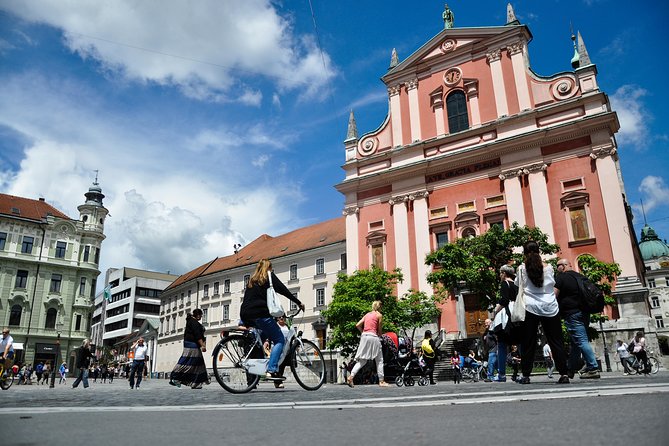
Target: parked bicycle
[(636, 366), (239, 359), (7, 380), (475, 373)]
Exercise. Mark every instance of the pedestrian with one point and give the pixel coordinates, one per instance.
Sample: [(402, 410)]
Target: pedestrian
[(623, 355), (455, 363), (111, 371), (430, 355), (103, 373), (46, 372), (370, 344), (508, 291), (576, 321), (548, 359), (62, 370), (254, 311), (190, 368), (536, 279), (491, 344), (84, 356), (39, 370), (638, 347), (7, 350), (140, 351), (96, 373), (514, 361)]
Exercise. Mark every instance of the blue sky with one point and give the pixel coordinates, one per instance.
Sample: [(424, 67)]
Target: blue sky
[(213, 122)]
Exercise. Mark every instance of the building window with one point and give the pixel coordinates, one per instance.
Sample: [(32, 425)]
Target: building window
[(3, 240), (21, 279), (572, 185), (497, 200), (579, 221), (82, 286), (247, 277), (205, 291), (56, 280), (654, 301), (77, 323), (468, 232), (320, 297), (189, 296), (293, 305), (320, 266), (15, 315), (51, 314), (456, 108), (27, 245), (87, 253), (651, 283), (60, 250), (342, 262), (293, 272), (467, 206), (226, 312), (441, 212), (97, 256), (659, 322), (442, 239), (226, 286), (216, 287), (205, 312), (174, 324)]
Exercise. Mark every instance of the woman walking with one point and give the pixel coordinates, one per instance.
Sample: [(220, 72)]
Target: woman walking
[(507, 294), (370, 344), (536, 279), (190, 369)]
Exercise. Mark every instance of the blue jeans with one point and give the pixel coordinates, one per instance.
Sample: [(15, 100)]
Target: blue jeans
[(576, 327), (501, 360), (83, 376), (271, 330), (492, 363), (136, 368)]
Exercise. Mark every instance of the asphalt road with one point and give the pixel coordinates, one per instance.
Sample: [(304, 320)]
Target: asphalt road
[(591, 412)]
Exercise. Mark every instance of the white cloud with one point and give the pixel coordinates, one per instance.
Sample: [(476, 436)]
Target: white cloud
[(260, 161), (655, 193), (634, 117), (204, 50)]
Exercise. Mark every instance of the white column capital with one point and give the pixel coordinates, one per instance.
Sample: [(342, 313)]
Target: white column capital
[(394, 90), (412, 84), (603, 152), (515, 48), (351, 210), (494, 55)]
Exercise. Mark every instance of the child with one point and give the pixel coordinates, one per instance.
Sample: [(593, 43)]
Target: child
[(455, 362)]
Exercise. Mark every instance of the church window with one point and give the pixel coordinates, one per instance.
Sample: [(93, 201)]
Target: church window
[(456, 107)]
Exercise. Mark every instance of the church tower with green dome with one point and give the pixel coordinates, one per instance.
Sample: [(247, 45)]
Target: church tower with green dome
[(655, 254)]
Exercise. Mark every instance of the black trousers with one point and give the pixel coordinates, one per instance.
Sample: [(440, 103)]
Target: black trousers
[(553, 330)]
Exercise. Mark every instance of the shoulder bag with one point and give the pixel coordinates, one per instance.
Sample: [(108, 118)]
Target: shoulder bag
[(518, 313), (273, 303)]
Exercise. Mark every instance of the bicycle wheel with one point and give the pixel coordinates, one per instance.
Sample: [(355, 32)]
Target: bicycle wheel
[(7, 381), (399, 381), (467, 375), (307, 364), (228, 369), (654, 365), (634, 367)]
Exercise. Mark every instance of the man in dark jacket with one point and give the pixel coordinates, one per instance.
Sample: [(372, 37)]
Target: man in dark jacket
[(569, 299), (84, 356)]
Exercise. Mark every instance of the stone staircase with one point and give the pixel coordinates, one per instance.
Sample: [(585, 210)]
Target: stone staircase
[(443, 371)]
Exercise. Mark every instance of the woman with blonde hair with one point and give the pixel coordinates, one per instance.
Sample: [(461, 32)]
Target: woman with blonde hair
[(370, 343), (254, 312)]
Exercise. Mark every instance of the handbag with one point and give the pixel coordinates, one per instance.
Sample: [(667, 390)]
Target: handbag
[(273, 303), (518, 313)]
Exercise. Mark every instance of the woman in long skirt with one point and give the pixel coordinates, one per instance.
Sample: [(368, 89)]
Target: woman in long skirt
[(370, 344), (190, 369)]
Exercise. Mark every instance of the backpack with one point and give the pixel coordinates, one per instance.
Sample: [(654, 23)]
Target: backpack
[(592, 298), (428, 351), (39, 368)]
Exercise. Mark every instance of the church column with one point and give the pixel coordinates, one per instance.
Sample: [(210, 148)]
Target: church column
[(541, 207), (352, 242), (421, 224), (438, 108), (514, 196), (518, 62), (395, 115), (472, 90), (614, 209), (494, 60), (401, 224), (414, 110)]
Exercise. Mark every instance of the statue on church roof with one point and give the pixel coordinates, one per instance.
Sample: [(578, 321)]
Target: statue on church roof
[(448, 17)]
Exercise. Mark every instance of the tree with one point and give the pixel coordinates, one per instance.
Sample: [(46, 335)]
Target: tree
[(603, 275), (474, 262), (416, 310), (352, 298)]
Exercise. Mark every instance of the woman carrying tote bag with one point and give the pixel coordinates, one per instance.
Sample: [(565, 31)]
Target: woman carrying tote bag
[(536, 282)]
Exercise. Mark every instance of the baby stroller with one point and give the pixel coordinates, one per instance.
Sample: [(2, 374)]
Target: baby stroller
[(401, 362)]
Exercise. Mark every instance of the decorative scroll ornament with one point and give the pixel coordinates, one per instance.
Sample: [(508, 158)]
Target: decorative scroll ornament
[(603, 152), (351, 210), (494, 55), (368, 146), (452, 76), (515, 48), (448, 45), (520, 171), (413, 83), (392, 91), (405, 198), (564, 88)]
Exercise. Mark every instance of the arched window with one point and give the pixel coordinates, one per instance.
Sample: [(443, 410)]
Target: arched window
[(15, 315), (51, 314), (456, 107)]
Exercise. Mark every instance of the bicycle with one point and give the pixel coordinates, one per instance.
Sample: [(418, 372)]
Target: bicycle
[(6, 381), (635, 366), (239, 359), (477, 373)]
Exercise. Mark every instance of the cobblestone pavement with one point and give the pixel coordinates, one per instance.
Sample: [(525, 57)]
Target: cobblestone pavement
[(157, 392)]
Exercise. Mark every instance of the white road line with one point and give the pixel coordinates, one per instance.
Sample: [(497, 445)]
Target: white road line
[(379, 403)]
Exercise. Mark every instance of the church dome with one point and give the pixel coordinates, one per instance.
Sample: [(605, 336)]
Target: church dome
[(651, 246)]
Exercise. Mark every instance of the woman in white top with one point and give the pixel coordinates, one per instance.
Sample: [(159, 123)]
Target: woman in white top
[(536, 279)]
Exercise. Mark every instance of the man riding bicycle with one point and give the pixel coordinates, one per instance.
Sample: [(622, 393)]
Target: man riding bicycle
[(637, 347), (7, 349)]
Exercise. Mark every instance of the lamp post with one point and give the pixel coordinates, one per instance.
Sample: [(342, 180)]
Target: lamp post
[(59, 327), (606, 350)]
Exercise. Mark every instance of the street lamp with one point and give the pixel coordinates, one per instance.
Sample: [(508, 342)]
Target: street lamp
[(59, 327), (606, 350)]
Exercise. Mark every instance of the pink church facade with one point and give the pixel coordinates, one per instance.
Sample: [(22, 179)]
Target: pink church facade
[(474, 138)]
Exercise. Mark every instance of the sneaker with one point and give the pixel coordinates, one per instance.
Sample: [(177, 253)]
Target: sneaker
[(550, 376), (564, 379), (625, 374), (279, 385), (274, 376), (590, 374), (196, 386), (523, 380), (131, 387)]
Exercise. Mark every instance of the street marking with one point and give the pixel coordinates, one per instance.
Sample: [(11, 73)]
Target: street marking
[(380, 403)]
